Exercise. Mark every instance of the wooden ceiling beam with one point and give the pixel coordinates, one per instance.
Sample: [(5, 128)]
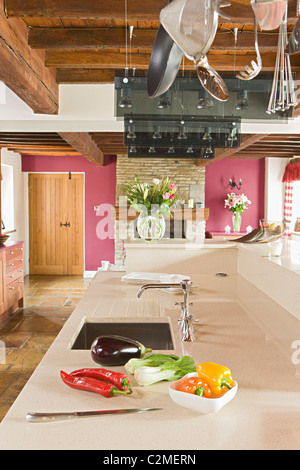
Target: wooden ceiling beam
[(85, 76), (112, 60), (23, 70), (50, 153), (82, 142), (261, 155), (240, 10), (221, 153), (114, 38)]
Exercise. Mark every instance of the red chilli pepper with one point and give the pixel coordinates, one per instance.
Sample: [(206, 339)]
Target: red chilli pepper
[(91, 385), (117, 378)]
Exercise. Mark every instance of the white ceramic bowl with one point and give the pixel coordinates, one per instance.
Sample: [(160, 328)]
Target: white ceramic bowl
[(196, 403)]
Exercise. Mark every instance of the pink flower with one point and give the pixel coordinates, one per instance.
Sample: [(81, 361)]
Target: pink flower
[(173, 187), (172, 196), (166, 196)]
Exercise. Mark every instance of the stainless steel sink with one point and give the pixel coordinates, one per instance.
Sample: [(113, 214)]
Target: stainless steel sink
[(154, 335)]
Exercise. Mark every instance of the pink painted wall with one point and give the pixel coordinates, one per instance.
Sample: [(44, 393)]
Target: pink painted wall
[(217, 176), (100, 188)]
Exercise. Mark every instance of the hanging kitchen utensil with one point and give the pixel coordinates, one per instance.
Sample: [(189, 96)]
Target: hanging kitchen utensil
[(253, 70), (164, 63), (269, 13), (294, 41), (211, 80), (193, 24), (282, 95)]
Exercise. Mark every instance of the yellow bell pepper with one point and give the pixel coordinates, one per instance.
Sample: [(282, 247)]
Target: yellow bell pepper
[(218, 377)]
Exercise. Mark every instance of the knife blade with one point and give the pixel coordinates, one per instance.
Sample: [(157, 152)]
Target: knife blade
[(36, 417)]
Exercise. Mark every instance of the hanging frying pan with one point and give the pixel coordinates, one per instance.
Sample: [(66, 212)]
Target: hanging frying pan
[(164, 63)]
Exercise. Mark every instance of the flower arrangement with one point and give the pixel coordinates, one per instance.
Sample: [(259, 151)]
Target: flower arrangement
[(161, 195), (237, 203)]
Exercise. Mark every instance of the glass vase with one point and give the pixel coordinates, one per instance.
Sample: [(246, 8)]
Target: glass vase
[(236, 222), (151, 226)]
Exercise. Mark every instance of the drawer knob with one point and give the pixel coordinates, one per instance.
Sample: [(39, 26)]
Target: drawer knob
[(21, 270), (11, 288), (21, 259), (10, 252), (11, 275), (21, 282), (10, 264)]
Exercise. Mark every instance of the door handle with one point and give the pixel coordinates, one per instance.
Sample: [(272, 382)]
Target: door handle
[(66, 224)]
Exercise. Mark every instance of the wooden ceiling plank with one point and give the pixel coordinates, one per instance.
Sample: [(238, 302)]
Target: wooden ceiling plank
[(23, 70), (85, 76), (99, 38), (240, 12), (51, 153), (221, 153), (112, 60), (83, 143)]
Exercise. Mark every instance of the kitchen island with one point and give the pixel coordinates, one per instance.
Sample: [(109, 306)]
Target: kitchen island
[(240, 326)]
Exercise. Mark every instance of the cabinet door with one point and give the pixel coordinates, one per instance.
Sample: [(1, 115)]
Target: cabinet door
[(2, 282)]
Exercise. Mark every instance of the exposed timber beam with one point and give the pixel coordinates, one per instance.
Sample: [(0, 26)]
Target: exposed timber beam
[(220, 153), (112, 60), (240, 10), (82, 142), (113, 38), (85, 76), (23, 70)]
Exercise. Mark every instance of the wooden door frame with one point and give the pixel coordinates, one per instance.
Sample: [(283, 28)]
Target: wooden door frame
[(26, 184)]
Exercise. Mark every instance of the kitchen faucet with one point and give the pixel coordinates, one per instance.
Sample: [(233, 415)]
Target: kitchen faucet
[(186, 319)]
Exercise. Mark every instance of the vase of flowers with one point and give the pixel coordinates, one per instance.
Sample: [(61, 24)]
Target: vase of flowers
[(237, 204), (153, 202)]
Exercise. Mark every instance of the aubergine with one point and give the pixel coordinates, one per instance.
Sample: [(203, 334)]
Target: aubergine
[(114, 350)]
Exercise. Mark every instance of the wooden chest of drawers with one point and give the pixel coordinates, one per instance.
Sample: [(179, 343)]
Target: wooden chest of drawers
[(11, 278)]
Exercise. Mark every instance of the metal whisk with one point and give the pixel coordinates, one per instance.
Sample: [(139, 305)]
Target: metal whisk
[(282, 95)]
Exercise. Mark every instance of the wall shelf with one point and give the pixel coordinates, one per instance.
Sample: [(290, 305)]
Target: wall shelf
[(180, 213)]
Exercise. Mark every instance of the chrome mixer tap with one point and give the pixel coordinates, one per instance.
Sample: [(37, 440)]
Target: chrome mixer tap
[(185, 320)]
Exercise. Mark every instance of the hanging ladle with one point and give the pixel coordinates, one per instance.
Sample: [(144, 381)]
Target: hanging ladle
[(253, 70)]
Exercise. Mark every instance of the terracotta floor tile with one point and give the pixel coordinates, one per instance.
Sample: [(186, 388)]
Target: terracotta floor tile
[(27, 333), (24, 360), (54, 300), (33, 300)]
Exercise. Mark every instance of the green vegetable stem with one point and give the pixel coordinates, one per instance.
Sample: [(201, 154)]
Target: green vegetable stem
[(168, 370), (152, 360)]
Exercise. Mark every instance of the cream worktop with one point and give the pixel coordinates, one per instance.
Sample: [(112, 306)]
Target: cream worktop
[(239, 326)]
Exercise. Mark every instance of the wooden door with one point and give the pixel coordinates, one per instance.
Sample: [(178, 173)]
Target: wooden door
[(55, 224), (75, 231)]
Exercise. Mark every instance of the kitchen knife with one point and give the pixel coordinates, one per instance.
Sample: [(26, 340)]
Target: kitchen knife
[(46, 417)]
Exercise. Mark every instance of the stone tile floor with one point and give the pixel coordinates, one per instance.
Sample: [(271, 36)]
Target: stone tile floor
[(26, 334)]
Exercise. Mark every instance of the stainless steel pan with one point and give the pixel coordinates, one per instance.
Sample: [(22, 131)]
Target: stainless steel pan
[(164, 64), (294, 41), (193, 24)]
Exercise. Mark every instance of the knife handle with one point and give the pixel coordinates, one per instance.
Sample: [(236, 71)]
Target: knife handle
[(42, 417)]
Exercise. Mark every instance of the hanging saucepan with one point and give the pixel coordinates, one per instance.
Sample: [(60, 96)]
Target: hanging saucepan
[(269, 13), (294, 40), (164, 63), (193, 26)]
